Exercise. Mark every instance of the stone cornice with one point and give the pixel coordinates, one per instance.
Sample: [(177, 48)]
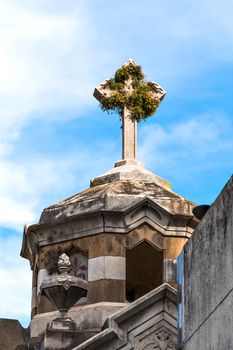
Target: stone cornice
[(106, 221)]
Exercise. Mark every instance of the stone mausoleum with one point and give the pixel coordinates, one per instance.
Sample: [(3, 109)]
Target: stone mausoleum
[(119, 241)]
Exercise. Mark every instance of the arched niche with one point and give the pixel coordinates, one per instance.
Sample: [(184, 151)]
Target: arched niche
[(144, 270)]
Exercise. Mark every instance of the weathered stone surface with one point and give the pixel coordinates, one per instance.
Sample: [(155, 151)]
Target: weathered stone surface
[(106, 267), (131, 170), (88, 318), (12, 334), (63, 340), (144, 220), (107, 290), (115, 207), (147, 323), (206, 269), (115, 193), (170, 270)]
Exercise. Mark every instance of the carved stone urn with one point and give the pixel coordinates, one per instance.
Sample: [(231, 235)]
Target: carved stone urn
[(64, 290)]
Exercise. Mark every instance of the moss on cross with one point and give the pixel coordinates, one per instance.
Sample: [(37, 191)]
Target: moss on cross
[(128, 89)]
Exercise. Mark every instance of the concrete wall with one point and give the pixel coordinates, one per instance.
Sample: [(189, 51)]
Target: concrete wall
[(206, 279)]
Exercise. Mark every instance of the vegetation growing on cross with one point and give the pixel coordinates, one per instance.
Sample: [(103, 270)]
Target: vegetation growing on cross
[(130, 90)]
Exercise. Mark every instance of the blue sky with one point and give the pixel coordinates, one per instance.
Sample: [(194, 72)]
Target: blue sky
[(54, 137)]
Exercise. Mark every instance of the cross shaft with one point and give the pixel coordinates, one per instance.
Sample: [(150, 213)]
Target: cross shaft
[(129, 135)]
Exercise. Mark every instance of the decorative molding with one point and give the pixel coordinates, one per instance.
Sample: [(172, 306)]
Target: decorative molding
[(78, 266), (160, 340)]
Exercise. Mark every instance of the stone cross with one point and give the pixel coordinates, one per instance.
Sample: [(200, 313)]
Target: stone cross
[(129, 124)]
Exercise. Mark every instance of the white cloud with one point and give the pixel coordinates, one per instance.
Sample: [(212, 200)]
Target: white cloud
[(27, 185), (23, 186), (51, 58), (44, 65), (194, 145), (36, 46)]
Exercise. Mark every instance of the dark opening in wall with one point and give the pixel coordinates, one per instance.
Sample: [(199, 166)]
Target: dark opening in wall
[(144, 270)]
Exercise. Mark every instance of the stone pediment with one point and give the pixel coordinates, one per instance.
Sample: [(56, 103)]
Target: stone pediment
[(146, 324)]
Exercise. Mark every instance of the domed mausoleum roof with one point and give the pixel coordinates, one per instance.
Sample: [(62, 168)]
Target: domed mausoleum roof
[(117, 189)]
